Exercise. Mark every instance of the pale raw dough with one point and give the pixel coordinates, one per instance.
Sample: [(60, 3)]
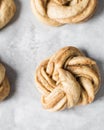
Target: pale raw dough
[(66, 79), (7, 11), (59, 12)]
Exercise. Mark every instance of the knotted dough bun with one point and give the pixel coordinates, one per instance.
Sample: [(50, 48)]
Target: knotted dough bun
[(4, 84), (59, 12), (66, 79), (7, 11)]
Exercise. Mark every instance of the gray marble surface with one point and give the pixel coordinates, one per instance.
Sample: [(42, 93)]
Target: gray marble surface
[(23, 44)]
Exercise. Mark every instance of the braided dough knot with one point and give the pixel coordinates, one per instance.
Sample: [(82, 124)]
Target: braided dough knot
[(7, 11), (59, 12), (4, 83), (66, 79)]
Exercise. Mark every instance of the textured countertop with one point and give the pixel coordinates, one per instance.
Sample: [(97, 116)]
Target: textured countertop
[(23, 44)]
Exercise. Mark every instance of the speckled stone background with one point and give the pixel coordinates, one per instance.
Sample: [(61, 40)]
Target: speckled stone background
[(23, 44)]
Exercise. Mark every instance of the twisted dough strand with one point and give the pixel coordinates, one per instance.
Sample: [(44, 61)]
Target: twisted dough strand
[(59, 12), (67, 79)]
